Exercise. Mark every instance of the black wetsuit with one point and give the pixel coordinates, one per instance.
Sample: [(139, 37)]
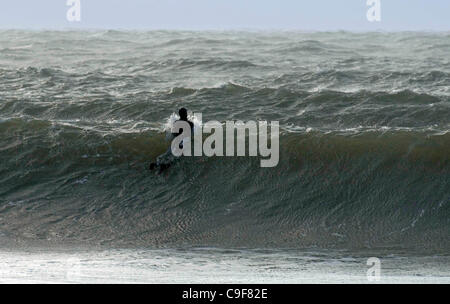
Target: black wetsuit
[(178, 134), (165, 160)]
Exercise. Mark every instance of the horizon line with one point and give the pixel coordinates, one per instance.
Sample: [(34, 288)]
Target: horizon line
[(126, 29)]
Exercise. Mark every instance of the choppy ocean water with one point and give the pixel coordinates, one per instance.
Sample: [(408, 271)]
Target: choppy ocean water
[(214, 265), (364, 147)]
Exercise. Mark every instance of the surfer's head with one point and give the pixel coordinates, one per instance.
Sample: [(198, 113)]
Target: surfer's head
[(183, 114)]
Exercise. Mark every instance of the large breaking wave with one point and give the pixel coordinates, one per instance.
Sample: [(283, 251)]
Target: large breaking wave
[(364, 149)]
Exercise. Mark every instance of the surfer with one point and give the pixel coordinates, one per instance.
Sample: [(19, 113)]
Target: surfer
[(165, 160), (184, 117)]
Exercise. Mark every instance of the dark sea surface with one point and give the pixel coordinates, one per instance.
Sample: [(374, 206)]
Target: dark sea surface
[(364, 144)]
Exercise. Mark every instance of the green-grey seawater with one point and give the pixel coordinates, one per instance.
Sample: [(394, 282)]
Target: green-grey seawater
[(364, 147)]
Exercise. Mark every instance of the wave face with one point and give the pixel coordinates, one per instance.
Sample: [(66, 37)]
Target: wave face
[(364, 147)]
